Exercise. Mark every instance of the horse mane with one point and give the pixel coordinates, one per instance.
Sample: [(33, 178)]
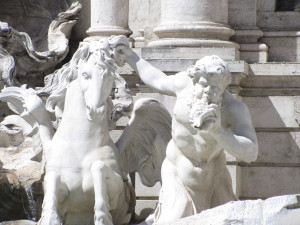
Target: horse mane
[(56, 84)]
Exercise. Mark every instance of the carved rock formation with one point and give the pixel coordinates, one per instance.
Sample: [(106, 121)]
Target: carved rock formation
[(276, 211), (18, 55)]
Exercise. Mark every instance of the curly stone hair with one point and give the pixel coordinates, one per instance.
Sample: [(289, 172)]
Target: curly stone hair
[(210, 66)]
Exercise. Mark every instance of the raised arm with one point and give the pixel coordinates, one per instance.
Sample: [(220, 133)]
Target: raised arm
[(148, 73), (240, 138)]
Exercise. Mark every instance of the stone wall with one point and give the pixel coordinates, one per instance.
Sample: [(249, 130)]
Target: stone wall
[(273, 99)]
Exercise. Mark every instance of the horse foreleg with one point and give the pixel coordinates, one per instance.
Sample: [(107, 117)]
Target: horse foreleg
[(54, 192), (106, 194)]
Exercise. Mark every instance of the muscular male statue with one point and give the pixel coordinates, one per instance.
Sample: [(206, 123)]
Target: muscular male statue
[(207, 120)]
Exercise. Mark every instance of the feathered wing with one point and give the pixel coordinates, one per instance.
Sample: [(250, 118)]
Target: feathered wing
[(16, 101), (144, 141), (30, 109)]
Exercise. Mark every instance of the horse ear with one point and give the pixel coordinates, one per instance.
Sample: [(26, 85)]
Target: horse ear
[(82, 54), (85, 54)]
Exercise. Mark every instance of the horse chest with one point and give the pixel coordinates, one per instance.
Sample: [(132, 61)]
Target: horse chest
[(79, 130), (81, 146), (80, 189)]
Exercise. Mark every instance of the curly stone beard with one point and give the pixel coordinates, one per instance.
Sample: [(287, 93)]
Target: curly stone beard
[(201, 113)]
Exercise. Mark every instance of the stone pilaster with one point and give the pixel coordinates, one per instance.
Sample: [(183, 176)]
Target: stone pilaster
[(108, 17), (139, 41), (243, 18), (194, 23), (250, 50)]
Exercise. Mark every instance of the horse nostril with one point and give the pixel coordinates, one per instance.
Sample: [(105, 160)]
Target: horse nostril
[(88, 108), (207, 90)]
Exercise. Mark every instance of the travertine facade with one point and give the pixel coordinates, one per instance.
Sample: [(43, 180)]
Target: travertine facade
[(259, 42)]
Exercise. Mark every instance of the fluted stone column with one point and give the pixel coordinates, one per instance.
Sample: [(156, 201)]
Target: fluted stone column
[(194, 23), (109, 17)]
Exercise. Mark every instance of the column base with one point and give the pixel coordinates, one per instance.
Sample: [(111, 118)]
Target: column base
[(251, 51), (193, 42), (199, 30), (107, 31), (139, 41), (194, 34), (254, 53), (247, 35)]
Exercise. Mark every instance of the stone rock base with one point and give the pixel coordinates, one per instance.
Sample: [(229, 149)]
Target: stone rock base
[(272, 211), (19, 222)]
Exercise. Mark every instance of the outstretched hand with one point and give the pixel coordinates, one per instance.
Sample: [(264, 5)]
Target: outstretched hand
[(119, 44), (120, 54)]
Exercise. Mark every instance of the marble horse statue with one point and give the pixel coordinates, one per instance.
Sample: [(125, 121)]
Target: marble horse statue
[(86, 173)]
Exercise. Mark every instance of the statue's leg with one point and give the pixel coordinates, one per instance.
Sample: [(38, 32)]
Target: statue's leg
[(54, 193), (175, 199), (107, 185), (223, 192), (125, 208)]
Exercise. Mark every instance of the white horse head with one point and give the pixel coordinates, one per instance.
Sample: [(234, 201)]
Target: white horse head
[(96, 73), (88, 57)]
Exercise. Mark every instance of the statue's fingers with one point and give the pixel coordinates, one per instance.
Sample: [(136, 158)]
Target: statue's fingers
[(115, 41)]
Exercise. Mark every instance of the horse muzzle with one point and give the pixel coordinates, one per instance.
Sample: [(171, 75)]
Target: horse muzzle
[(95, 113)]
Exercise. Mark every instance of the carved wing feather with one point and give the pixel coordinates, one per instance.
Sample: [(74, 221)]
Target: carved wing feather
[(144, 140), (27, 105), (15, 98), (23, 102)]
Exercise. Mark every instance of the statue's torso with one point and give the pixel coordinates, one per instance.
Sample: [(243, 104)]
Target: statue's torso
[(194, 160), (192, 152), (195, 144)]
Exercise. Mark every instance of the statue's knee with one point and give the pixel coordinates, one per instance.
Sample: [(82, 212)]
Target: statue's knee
[(98, 166), (62, 192), (51, 175)]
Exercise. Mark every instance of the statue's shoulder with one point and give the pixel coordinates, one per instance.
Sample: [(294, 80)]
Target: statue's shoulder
[(181, 81), (233, 106)]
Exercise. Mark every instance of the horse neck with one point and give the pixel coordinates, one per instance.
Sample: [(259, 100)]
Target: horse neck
[(74, 102)]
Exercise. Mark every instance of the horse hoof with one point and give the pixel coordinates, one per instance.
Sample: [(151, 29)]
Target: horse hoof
[(102, 219), (49, 218)]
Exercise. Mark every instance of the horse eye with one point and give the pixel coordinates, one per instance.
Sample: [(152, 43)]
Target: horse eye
[(85, 75), (220, 68)]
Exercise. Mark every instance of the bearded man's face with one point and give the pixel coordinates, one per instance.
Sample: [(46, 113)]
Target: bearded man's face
[(209, 89)]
